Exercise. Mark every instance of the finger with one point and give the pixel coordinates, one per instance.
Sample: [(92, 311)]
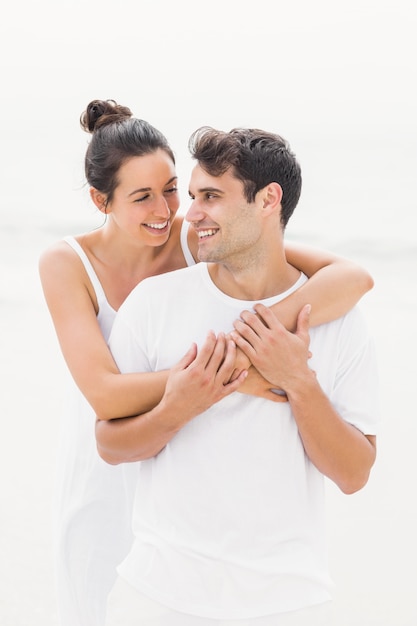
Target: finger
[(259, 321), (234, 375), (242, 362), (243, 343), (218, 354), (234, 385), (266, 315), (247, 331), (205, 352), (227, 366)]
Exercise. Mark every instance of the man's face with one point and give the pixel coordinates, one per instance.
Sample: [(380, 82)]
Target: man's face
[(228, 227)]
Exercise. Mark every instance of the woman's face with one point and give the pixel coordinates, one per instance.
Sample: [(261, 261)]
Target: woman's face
[(146, 199)]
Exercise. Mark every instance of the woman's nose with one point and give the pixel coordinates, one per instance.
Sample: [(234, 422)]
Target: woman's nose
[(163, 208)]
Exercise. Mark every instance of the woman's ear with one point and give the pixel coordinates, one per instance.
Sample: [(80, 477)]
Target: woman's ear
[(99, 199)]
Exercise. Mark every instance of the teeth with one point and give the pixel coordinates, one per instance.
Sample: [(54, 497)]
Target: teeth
[(206, 233), (158, 226)]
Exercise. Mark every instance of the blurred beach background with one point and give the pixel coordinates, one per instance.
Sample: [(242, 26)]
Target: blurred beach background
[(338, 80)]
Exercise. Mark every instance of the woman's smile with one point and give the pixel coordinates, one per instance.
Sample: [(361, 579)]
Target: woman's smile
[(159, 228)]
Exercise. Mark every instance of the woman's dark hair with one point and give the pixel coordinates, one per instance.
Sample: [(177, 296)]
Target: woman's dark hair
[(116, 137), (255, 157)]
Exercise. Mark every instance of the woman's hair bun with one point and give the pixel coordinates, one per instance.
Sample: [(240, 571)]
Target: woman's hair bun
[(102, 112)]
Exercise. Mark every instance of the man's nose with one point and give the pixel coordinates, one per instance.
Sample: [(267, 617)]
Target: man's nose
[(194, 213)]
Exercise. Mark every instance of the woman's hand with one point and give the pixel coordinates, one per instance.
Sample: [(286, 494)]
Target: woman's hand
[(199, 380), (203, 377), (256, 385), (241, 362)]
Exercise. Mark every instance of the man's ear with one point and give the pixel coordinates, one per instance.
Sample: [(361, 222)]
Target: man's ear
[(99, 199), (272, 196)]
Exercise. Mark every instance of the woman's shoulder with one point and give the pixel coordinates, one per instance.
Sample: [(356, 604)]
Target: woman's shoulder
[(55, 251), (60, 258)]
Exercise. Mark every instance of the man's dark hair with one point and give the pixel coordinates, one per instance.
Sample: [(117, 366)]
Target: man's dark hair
[(255, 157)]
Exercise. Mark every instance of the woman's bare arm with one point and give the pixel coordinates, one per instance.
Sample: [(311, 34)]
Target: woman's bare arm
[(85, 351), (335, 285), (199, 380)]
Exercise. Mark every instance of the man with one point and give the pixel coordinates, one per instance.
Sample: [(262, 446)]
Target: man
[(229, 509)]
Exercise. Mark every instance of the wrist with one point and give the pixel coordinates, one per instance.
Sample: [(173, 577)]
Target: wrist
[(170, 415), (301, 386)]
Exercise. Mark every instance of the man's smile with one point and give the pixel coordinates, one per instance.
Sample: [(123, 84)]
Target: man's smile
[(209, 232)]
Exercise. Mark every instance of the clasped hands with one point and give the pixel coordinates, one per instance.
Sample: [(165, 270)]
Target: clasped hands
[(257, 356), (274, 357)]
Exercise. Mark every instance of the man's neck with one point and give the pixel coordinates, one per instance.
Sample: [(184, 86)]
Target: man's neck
[(253, 283)]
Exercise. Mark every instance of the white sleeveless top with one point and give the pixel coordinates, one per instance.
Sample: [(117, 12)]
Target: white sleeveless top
[(106, 313), (93, 500)]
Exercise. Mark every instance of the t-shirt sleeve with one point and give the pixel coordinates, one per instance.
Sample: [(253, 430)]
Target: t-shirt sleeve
[(355, 393), (127, 338)]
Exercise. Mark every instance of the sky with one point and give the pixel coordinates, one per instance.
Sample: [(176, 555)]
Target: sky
[(335, 78)]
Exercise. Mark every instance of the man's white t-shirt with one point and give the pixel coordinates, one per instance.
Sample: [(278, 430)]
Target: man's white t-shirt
[(229, 518)]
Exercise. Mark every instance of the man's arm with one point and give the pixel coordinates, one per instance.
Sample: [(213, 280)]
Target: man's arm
[(337, 448), (197, 382)]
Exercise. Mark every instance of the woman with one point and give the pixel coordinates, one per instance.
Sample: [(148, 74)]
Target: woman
[(131, 172)]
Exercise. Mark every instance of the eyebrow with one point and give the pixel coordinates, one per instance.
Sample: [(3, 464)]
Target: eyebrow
[(206, 189), (143, 189)]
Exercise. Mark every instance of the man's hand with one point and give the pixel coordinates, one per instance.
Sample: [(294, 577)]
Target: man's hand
[(279, 355)]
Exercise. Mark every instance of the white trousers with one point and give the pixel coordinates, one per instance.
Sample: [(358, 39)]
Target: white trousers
[(129, 607)]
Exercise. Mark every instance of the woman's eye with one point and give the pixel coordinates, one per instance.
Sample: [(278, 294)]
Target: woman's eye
[(171, 190), (142, 198)]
